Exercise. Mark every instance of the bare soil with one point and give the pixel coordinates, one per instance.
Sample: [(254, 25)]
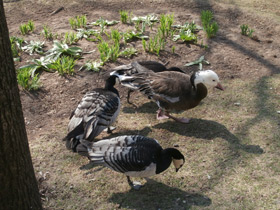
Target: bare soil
[(232, 55)]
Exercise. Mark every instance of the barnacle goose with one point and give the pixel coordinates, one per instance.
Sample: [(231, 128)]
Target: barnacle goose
[(171, 90), (133, 155), (97, 110)]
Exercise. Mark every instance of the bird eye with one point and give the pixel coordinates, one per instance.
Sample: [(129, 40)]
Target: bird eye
[(214, 80)]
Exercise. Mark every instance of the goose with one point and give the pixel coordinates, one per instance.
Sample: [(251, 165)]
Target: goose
[(132, 155), (97, 111), (171, 90), (129, 69)]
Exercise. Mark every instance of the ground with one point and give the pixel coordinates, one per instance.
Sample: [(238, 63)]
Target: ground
[(232, 143)]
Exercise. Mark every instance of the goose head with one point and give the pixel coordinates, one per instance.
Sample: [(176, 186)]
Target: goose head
[(209, 78), (178, 159)]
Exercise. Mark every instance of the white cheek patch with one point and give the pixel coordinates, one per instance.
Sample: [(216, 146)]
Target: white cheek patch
[(178, 163)]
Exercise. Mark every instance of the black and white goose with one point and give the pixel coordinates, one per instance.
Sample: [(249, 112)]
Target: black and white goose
[(171, 90), (129, 70), (135, 156), (97, 110)]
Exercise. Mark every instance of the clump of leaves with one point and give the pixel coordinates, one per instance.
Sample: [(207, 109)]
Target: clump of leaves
[(46, 32), (149, 19), (166, 22), (34, 47), (103, 23), (27, 27), (87, 33), (64, 65), (43, 63), (63, 49), (92, 66), (199, 62), (246, 31), (186, 36), (70, 38), (26, 81), (78, 22), (188, 26), (115, 36), (131, 35), (125, 16), (108, 52), (209, 26), (16, 47), (128, 52), (154, 44)]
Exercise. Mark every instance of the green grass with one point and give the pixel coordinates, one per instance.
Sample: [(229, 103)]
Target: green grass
[(210, 27), (25, 28), (26, 81), (64, 65), (246, 31), (78, 22)]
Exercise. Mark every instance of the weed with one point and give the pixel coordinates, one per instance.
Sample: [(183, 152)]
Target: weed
[(128, 52), (186, 36), (84, 33), (115, 36), (34, 46), (92, 66), (78, 22), (108, 52), (166, 22), (130, 35), (31, 26), (63, 49), (173, 49), (47, 33), (16, 47), (70, 38), (124, 16), (103, 23), (200, 62), (210, 27), (64, 65), (25, 80), (27, 27), (155, 44), (246, 31)]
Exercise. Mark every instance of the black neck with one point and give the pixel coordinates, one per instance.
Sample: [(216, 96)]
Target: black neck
[(165, 159), (110, 83), (192, 80)]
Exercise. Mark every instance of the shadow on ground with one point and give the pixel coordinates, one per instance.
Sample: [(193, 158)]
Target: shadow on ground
[(150, 197), (207, 129)]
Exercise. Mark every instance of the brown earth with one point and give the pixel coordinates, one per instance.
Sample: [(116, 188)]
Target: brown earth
[(231, 54)]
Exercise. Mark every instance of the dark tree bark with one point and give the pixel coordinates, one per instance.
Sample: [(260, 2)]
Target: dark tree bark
[(18, 185)]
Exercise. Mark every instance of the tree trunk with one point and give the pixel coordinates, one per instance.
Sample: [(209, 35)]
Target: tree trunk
[(18, 185)]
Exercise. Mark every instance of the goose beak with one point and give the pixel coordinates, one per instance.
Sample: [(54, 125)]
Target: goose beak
[(177, 169), (219, 86)]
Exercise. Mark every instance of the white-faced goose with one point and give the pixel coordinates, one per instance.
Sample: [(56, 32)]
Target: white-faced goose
[(171, 90), (129, 70), (135, 155), (97, 110)]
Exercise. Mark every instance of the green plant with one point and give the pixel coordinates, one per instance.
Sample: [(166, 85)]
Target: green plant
[(166, 22), (63, 49), (173, 49), (115, 36), (186, 36), (128, 52), (108, 52), (86, 33), (103, 23), (155, 44), (188, 26), (26, 81), (16, 47), (130, 35), (210, 27), (47, 33), (124, 16), (34, 46), (64, 65), (27, 27), (92, 66), (200, 62), (78, 22), (70, 38), (246, 31)]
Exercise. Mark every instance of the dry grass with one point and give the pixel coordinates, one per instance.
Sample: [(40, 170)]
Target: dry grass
[(232, 155)]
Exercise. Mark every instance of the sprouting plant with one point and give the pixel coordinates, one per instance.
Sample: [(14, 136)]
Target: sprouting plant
[(246, 31), (128, 52), (210, 27), (92, 66), (173, 49), (34, 47), (18, 41), (64, 65), (186, 36), (200, 62), (27, 27), (103, 23), (149, 19), (87, 33), (70, 38), (166, 22), (130, 35), (47, 33), (108, 52), (16, 47), (63, 49), (188, 26), (155, 44), (124, 16), (38, 64), (78, 22), (115, 36), (26, 81)]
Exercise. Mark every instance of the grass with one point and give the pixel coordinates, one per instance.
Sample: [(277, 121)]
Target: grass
[(78, 22), (27, 27), (210, 27)]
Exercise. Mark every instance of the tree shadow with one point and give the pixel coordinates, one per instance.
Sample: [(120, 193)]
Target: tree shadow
[(207, 129), (152, 194)]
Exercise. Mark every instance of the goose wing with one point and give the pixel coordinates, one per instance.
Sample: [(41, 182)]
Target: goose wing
[(124, 153), (97, 109)]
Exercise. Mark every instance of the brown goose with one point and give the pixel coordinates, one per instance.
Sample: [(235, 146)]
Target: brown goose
[(171, 90), (154, 66)]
